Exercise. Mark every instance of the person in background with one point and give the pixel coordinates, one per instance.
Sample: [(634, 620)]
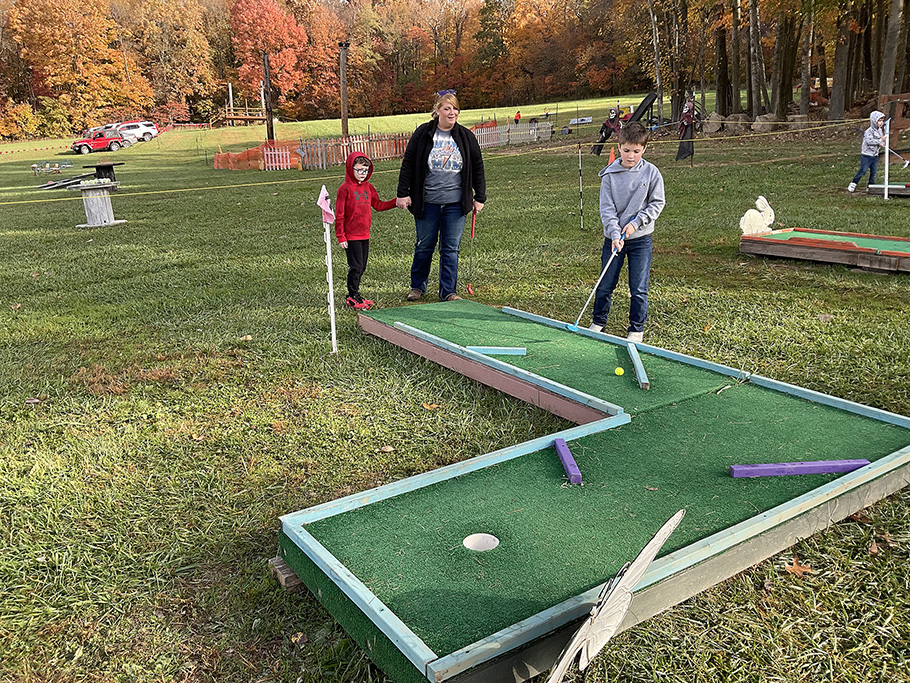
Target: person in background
[(873, 144), (441, 181)]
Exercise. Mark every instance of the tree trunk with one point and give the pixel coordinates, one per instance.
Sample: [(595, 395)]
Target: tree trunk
[(736, 57), (722, 81), (822, 67), (791, 55), (749, 98), (755, 61), (837, 103), (805, 60), (763, 71), (886, 81), (902, 50), (777, 63)]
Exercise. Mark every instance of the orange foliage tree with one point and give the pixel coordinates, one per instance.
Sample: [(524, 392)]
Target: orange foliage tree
[(66, 44)]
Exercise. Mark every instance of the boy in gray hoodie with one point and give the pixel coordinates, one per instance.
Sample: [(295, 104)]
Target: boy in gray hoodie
[(873, 143), (631, 199)]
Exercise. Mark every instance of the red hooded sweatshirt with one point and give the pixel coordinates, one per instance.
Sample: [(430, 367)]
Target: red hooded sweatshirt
[(352, 205)]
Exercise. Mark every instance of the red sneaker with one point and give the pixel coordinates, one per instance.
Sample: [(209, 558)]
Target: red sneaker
[(351, 302)]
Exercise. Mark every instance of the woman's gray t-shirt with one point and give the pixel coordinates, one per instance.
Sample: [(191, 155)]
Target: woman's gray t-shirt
[(443, 181)]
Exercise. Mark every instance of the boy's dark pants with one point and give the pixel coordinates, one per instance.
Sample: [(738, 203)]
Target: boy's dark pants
[(867, 163), (638, 251), (357, 253)]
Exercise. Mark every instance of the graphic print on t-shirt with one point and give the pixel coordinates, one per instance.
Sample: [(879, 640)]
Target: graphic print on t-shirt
[(445, 155)]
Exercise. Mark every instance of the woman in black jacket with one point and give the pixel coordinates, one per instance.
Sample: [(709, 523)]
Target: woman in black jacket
[(441, 182)]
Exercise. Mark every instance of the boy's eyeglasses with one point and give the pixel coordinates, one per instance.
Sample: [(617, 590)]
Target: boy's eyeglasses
[(445, 92), (361, 170)]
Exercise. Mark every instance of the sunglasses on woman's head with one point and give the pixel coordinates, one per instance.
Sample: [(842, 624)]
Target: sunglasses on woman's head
[(445, 92)]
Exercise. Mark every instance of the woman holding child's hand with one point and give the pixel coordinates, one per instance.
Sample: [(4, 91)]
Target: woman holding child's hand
[(441, 182)]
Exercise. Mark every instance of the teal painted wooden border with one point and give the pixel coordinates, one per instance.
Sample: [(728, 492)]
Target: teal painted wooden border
[(574, 608), (357, 500), (543, 382), (499, 350), (640, 373), (386, 620), (834, 401)]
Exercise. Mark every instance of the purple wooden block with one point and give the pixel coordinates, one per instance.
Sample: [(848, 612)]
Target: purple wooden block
[(568, 462), (785, 468)]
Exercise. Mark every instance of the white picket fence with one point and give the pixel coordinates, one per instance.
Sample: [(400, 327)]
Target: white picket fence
[(277, 158), (322, 153), (513, 134)]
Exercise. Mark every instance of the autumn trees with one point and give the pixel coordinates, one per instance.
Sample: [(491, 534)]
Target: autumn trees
[(66, 64)]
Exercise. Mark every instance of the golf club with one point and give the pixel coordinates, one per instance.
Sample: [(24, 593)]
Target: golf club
[(574, 328), (906, 162)]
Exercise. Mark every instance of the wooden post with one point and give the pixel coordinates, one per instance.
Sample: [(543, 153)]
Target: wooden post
[(343, 78), (267, 97)]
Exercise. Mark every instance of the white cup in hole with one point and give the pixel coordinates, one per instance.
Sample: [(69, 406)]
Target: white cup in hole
[(481, 542)]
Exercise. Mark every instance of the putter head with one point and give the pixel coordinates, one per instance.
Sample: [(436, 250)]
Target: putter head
[(572, 327), (906, 163)]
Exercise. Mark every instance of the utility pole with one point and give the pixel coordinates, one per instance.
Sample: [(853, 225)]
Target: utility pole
[(343, 77), (267, 89)]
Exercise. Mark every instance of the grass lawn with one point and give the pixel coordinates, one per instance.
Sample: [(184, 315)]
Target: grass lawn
[(167, 391)]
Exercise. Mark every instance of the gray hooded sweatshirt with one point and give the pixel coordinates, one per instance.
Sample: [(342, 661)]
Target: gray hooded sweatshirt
[(872, 138), (630, 195)]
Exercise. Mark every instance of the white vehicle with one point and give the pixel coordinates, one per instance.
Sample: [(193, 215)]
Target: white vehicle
[(142, 130)]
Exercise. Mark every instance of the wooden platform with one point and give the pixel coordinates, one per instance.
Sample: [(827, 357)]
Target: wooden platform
[(870, 252)]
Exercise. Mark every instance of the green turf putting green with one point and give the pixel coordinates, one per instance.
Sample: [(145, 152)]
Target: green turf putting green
[(397, 552), (863, 241)]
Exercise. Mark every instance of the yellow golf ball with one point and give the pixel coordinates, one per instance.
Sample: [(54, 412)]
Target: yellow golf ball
[(619, 371)]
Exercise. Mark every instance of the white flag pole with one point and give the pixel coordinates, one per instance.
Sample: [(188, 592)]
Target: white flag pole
[(887, 153), (328, 265), (328, 217)]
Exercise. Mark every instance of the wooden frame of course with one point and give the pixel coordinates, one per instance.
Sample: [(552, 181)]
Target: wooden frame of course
[(830, 247)]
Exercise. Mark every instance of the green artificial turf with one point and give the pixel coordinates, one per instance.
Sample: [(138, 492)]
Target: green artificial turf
[(557, 540), (876, 243), (577, 361)]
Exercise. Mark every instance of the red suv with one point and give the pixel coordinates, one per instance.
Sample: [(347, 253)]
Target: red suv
[(98, 140)]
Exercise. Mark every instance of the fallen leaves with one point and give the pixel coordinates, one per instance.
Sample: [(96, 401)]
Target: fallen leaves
[(430, 406), (386, 449), (860, 517), (798, 569)]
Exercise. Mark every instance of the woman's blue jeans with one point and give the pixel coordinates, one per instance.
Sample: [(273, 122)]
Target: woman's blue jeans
[(638, 252), (441, 223), (867, 163)]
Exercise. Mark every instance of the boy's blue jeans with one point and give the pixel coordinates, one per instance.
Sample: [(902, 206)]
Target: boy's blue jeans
[(443, 223), (638, 252), (867, 164)]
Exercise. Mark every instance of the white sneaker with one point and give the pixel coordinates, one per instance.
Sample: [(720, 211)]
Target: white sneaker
[(637, 337), (595, 327), (851, 187)]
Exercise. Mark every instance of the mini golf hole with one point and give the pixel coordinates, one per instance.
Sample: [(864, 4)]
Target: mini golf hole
[(480, 542)]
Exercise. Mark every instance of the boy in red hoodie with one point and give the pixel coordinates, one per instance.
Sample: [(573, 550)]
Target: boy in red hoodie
[(352, 221)]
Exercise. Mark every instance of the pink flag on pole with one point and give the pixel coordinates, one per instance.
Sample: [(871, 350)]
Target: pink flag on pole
[(325, 203)]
